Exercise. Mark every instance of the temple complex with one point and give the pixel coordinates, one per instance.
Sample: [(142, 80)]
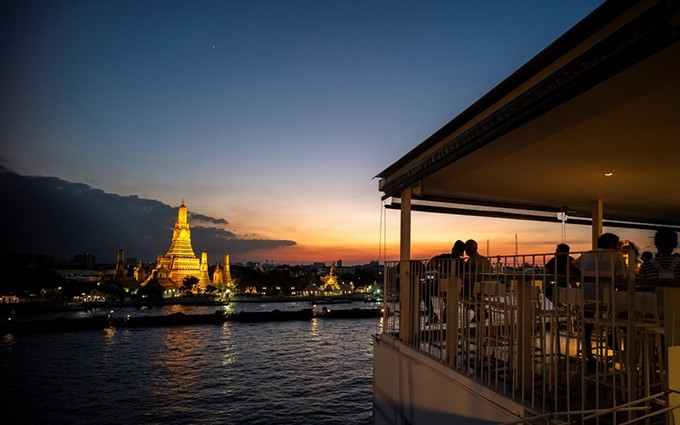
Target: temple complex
[(332, 285), (119, 278), (330, 281)]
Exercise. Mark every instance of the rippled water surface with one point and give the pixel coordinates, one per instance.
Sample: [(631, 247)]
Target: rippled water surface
[(299, 372)]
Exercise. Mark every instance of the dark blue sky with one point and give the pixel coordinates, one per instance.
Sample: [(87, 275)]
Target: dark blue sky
[(274, 115)]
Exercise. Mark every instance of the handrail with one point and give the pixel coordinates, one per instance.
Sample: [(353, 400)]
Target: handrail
[(594, 413), (515, 341)]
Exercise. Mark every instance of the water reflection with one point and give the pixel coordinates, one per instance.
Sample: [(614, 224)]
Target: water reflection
[(178, 364), (177, 308), (110, 333), (314, 328), (227, 345), (269, 373)]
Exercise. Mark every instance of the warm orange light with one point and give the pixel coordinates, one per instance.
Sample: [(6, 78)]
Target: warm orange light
[(608, 174)]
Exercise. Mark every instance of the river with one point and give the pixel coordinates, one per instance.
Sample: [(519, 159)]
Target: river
[(298, 372)]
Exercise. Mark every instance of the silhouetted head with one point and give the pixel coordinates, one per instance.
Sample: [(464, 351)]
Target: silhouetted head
[(666, 240), (646, 256), (608, 241), (458, 248), (562, 248), (471, 247), (629, 248)]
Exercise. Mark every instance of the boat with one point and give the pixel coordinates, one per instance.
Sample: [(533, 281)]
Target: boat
[(354, 313), (331, 299)]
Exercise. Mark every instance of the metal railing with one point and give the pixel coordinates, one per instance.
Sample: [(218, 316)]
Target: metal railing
[(559, 343)]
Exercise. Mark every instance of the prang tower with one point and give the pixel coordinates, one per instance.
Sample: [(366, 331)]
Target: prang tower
[(222, 276), (180, 260)]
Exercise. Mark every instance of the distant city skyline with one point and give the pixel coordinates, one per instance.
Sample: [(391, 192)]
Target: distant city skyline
[(273, 116)]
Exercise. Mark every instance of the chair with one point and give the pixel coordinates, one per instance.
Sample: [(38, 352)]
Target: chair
[(638, 368), (569, 332), (450, 303), (546, 335), (649, 324), (495, 315)]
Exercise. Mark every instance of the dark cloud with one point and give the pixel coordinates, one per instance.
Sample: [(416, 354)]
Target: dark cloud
[(211, 232), (54, 217), (217, 241), (197, 219)]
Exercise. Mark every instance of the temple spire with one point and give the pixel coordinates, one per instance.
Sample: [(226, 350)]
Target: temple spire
[(217, 275), (181, 235), (203, 277), (226, 273), (120, 264), (180, 261)]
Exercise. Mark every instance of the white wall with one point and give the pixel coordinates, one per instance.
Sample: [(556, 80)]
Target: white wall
[(411, 388)]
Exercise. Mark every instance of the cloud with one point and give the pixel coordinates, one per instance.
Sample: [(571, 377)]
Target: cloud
[(204, 220), (50, 216)]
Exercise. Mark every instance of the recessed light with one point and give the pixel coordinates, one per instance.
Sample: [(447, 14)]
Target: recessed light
[(608, 174)]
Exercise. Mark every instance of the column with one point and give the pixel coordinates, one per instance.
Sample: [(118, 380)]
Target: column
[(408, 312)]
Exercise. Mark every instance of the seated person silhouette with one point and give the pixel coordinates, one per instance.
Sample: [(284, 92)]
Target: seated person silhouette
[(665, 264), (559, 271), (600, 268), (476, 267), (456, 254)]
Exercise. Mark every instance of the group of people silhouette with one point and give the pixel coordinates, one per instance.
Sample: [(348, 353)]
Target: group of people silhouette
[(474, 264), (609, 259), (608, 264)]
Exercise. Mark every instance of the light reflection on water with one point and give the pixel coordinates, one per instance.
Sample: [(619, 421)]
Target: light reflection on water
[(303, 372)]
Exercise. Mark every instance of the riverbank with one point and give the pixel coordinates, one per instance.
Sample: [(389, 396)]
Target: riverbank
[(198, 300), (101, 322)]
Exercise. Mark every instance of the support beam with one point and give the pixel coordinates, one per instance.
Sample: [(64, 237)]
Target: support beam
[(408, 319), (405, 230), (525, 340), (596, 213), (453, 287)]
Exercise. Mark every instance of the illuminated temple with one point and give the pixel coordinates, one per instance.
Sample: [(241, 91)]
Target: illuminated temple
[(180, 261), (330, 282)]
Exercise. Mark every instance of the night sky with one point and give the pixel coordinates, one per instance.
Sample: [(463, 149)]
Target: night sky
[(273, 115)]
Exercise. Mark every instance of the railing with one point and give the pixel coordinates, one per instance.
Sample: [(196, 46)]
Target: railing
[(563, 345)]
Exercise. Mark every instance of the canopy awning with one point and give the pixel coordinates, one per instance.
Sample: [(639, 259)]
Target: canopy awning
[(594, 117)]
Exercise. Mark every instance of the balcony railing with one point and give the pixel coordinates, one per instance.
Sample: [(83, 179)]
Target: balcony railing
[(580, 348)]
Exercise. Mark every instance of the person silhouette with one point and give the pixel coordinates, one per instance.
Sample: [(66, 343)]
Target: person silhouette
[(559, 271), (444, 269), (665, 264), (600, 268)]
